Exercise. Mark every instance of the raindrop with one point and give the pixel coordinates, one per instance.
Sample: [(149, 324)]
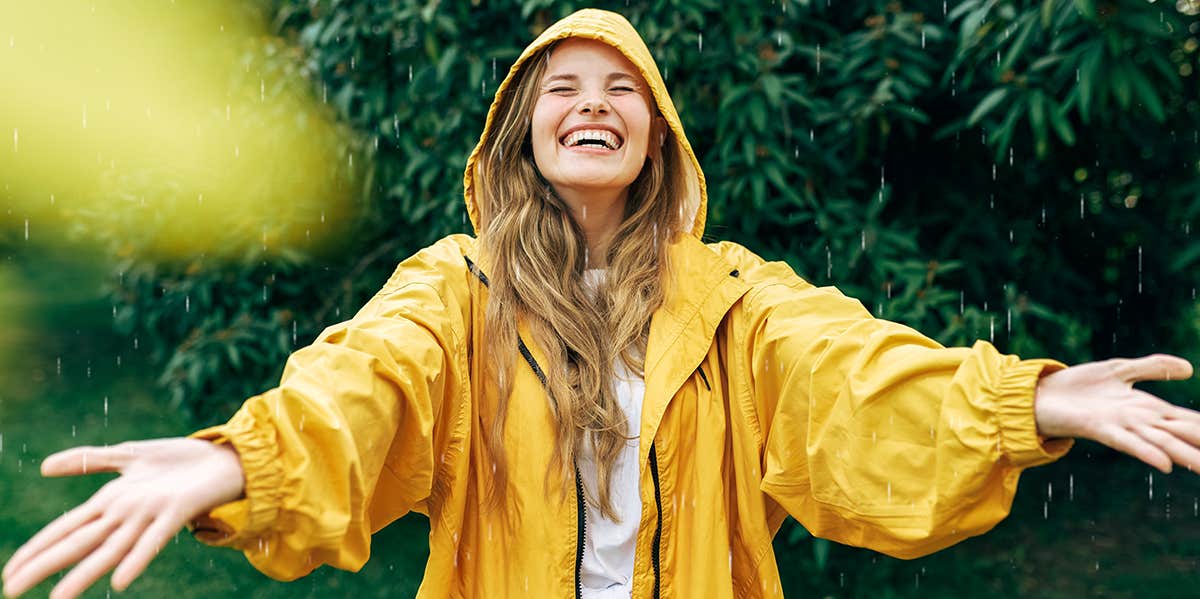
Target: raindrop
[(818, 59), (410, 72), (493, 69), (961, 296), (135, 343), (1071, 488), (293, 332), (1081, 206), (483, 88), (922, 37), (16, 138), (700, 42), (58, 366), (26, 229), (106, 405), (1008, 326), (1139, 269), (187, 303), (262, 90), (324, 93), (992, 328), (1150, 481), (828, 263)]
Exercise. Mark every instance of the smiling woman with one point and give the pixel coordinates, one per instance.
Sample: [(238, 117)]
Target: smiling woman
[(588, 400)]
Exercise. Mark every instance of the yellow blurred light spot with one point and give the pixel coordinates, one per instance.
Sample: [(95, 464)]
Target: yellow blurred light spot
[(1081, 175), (179, 127)]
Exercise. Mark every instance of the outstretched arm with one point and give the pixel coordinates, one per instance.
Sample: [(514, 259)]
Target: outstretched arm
[(303, 474)]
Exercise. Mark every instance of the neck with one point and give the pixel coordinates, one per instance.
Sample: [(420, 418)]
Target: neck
[(599, 214)]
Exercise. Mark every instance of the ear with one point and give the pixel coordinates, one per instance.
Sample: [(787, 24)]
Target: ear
[(658, 136)]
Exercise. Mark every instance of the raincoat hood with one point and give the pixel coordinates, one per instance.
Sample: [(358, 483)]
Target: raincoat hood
[(614, 30)]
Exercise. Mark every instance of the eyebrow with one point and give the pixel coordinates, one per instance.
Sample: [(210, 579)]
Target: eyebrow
[(572, 77)]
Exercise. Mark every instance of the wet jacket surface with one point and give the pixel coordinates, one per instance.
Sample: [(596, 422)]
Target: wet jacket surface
[(765, 396)]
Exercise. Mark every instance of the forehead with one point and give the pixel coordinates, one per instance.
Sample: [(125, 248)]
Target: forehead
[(580, 56)]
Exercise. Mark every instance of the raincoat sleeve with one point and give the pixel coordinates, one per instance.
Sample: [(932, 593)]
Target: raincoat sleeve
[(876, 436), (350, 439)]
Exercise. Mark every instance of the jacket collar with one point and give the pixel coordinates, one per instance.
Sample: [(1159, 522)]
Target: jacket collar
[(702, 289)]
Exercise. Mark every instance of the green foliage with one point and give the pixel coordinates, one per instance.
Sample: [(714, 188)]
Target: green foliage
[(1016, 171)]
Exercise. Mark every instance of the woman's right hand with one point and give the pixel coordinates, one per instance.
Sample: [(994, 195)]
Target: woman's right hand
[(164, 484)]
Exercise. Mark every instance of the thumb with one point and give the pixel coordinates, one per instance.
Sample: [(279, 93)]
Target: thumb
[(87, 460)]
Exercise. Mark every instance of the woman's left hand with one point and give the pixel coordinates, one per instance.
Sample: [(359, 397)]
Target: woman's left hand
[(1096, 400)]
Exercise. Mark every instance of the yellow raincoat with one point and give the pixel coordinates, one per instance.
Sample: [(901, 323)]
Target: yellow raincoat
[(765, 396)]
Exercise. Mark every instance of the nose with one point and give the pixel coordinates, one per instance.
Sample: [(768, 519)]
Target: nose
[(593, 105)]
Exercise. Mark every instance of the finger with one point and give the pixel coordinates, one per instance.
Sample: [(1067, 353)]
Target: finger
[(1155, 367), (100, 561), (87, 460), (1127, 442), (1187, 428), (1180, 452), (151, 542), (56, 530), (71, 549)]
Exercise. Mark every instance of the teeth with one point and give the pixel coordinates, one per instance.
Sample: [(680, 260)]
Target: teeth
[(610, 140)]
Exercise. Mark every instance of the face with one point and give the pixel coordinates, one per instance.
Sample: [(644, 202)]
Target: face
[(589, 86)]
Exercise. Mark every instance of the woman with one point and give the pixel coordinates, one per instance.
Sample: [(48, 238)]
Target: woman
[(589, 401)]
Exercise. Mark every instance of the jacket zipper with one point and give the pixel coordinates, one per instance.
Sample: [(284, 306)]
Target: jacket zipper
[(581, 529), (655, 551)]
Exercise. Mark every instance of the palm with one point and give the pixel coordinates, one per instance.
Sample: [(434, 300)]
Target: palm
[(1097, 401), (163, 484)]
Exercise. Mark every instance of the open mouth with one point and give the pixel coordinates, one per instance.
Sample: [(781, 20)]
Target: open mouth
[(595, 139)]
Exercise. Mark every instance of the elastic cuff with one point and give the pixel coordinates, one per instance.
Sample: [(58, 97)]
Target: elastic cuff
[(249, 516), (1019, 439)]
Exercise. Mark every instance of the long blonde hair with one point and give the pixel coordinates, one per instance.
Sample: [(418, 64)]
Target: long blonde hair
[(538, 255)]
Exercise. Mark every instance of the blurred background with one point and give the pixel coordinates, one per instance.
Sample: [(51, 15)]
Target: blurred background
[(189, 191)]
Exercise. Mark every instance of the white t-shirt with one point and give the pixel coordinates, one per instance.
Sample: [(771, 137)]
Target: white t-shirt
[(608, 547)]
